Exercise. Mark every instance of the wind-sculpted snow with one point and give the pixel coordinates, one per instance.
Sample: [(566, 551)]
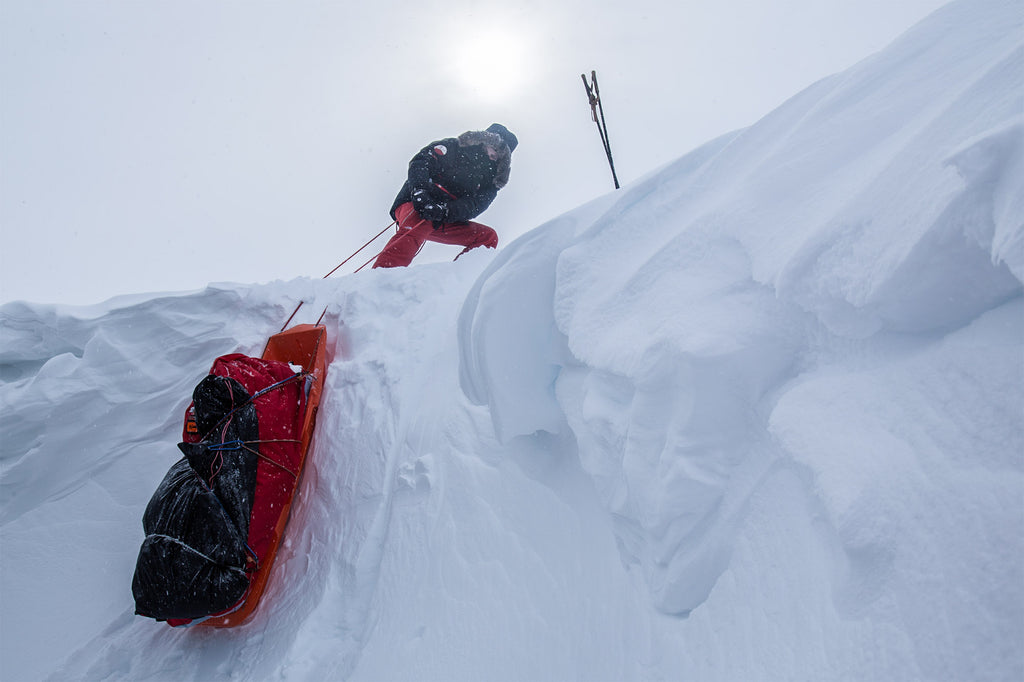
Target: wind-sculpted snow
[(415, 531), (831, 296), (757, 416)]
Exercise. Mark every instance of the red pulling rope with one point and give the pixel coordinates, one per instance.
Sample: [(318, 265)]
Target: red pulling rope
[(360, 249), (335, 269), (293, 315)]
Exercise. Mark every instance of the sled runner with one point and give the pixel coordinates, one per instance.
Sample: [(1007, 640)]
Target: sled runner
[(214, 524)]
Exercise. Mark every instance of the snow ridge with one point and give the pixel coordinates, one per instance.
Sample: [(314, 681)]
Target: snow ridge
[(756, 416)]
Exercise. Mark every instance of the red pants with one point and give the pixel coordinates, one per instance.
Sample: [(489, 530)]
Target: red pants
[(414, 230)]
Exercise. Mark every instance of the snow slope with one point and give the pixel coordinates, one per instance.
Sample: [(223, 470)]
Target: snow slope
[(757, 416)]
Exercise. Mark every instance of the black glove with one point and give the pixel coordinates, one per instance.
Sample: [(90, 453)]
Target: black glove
[(420, 198), (435, 213)]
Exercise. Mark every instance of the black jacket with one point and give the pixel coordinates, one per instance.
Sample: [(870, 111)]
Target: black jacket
[(458, 172)]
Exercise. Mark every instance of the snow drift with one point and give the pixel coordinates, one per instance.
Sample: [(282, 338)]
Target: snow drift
[(757, 416)]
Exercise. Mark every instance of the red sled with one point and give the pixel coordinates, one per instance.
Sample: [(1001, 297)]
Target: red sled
[(214, 525)]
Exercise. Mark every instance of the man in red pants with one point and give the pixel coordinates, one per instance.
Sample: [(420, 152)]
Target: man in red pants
[(450, 182)]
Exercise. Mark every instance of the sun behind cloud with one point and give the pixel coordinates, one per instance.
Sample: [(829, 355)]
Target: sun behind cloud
[(494, 63)]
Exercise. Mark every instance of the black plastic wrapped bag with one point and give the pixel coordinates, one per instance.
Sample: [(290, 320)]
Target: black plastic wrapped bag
[(194, 560)]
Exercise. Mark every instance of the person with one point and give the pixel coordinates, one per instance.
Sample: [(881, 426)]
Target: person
[(450, 182)]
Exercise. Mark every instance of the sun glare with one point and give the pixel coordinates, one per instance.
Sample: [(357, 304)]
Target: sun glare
[(493, 64)]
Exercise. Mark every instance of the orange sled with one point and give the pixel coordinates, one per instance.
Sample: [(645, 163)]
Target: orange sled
[(303, 345)]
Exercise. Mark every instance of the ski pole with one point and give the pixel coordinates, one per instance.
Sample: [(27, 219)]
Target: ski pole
[(596, 109)]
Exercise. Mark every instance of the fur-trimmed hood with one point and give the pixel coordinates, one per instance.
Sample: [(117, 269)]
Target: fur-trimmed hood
[(481, 137)]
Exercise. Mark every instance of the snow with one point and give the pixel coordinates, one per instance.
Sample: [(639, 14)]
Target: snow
[(759, 415)]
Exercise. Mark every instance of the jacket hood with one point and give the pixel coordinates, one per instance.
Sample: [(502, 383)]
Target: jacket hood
[(481, 137)]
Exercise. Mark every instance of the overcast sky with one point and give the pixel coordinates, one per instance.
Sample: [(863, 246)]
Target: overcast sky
[(153, 146)]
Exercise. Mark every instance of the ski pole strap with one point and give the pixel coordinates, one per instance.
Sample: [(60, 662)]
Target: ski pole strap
[(592, 100)]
